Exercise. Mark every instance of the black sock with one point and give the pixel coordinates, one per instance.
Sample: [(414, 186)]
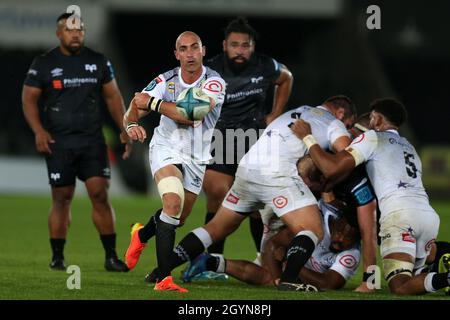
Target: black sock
[(109, 244), (57, 248), (149, 230), (212, 263), (165, 240), (257, 229), (218, 246), (440, 280), (299, 252), (188, 249)]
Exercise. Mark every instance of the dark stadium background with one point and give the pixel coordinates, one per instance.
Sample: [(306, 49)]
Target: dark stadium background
[(408, 58)]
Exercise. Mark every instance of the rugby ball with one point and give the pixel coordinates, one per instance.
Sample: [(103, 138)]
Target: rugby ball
[(193, 104)]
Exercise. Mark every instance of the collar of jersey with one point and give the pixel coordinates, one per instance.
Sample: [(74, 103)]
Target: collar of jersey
[(185, 85), (323, 108)]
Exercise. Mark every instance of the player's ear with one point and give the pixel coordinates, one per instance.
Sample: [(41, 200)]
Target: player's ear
[(175, 52), (224, 45), (204, 51)]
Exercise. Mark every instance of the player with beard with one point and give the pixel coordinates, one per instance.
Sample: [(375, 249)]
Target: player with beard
[(249, 75), (62, 101)]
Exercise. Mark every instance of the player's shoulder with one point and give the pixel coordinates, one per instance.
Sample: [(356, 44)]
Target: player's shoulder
[(216, 62), (264, 62), (169, 74), (211, 73)]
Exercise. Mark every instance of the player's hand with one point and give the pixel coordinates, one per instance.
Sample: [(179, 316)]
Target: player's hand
[(270, 117), (43, 138), (301, 128), (363, 288), (141, 100), (137, 133), (125, 139)]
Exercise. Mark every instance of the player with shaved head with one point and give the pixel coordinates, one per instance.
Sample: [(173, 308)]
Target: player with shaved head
[(177, 163)]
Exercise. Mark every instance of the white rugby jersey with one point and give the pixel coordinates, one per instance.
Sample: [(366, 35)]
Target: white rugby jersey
[(192, 143), (279, 149), (394, 168), (345, 262)]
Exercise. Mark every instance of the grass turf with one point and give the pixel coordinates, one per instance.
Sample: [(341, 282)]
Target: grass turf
[(25, 254)]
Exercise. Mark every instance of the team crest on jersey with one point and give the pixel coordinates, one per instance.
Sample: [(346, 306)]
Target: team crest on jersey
[(280, 202), (57, 84), (90, 67), (153, 84), (348, 261), (213, 86)]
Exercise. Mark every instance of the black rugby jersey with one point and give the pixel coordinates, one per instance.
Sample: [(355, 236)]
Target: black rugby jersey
[(245, 95), (71, 100)]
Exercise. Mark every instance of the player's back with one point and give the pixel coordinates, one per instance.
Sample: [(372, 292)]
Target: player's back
[(395, 170), (279, 149)]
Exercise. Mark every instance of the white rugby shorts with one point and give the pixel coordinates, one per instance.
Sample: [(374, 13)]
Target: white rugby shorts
[(252, 190)]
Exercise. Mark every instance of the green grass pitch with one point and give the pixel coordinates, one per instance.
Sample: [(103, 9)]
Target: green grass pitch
[(25, 254)]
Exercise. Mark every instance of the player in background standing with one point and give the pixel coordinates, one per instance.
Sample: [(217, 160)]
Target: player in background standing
[(248, 75), (62, 100)]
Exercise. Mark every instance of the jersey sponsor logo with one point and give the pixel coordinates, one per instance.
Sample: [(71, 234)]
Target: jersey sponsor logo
[(153, 84), (213, 86), (77, 82), (232, 198), (243, 94), (57, 84), (33, 72), (280, 202), (408, 237), (55, 176), (385, 237), (90, 67), (171, 86), (359, 139), (348, 261), (256, 80), (106, 172), (57, 72)]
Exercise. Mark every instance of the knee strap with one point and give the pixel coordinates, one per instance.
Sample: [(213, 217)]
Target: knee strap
[(394, 267), (172, 185)]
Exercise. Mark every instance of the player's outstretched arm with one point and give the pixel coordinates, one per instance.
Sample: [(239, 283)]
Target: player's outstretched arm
[(327, 280), (282, 93)]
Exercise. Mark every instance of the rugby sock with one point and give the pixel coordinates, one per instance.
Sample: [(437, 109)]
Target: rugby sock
[(435, 281), (218, 246), (216, 264), (57, 248), (300, 250), (165, 240), (190, 247), (149, 230), (109, 244), (257, 228)]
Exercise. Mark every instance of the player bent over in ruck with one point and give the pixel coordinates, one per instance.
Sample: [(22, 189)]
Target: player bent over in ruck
[(267, 175), (409, 225)]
